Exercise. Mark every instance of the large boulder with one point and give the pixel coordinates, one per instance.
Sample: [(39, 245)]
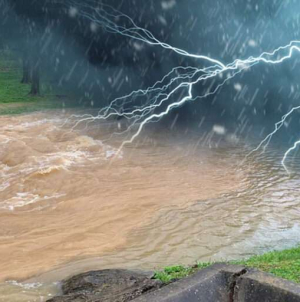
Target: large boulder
[(107, 286)]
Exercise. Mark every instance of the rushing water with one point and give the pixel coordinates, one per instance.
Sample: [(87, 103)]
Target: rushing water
[(70, 203)]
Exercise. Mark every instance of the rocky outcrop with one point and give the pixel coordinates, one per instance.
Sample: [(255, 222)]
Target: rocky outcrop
[(107, 286), (226, 283), (218, 283), (256, 286)]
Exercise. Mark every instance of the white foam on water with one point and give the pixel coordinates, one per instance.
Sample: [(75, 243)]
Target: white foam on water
[(26, 125), (25, 285), (112, 153), (63, 159), (25, 199), (78, 151), (4, 185), (4, 139), (5, 177), (28, 291), (106, 152)]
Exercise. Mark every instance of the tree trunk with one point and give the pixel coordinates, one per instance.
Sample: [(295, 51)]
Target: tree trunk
[(35, 80), (26, 70)]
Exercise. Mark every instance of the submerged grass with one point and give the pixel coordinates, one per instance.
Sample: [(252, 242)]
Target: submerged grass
[(284, 264)]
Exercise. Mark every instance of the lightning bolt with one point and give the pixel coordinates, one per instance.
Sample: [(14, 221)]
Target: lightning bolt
[(265, 142), (180, 79), (287, 154)]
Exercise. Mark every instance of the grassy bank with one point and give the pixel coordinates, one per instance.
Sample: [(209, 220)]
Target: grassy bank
[(284, 264), (14, 96)]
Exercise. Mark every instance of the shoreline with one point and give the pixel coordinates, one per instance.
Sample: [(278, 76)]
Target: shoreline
[(283, 264), (116, 284)]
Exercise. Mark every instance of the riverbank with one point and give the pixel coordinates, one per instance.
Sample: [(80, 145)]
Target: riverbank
[(15, 97), (236, 281), (284, 264)]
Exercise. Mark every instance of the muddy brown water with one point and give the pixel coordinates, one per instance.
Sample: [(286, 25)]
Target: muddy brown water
[(70, 203)]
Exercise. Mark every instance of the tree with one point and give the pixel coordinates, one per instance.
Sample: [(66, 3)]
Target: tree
[(35, 79), (27, 69)]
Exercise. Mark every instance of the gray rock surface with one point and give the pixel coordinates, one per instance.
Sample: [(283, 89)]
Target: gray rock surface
[(256, 286), (107, 286), (213, 284), (217, 283)]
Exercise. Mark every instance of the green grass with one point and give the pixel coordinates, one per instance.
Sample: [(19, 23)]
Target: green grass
[(14, 96), (11, 89), (284, 264), (172, 273)]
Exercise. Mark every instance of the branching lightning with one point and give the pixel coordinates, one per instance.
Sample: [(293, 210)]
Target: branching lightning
[(158, 100), (287, 154)]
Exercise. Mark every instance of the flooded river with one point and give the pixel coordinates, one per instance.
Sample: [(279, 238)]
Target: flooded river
[(69, 202)]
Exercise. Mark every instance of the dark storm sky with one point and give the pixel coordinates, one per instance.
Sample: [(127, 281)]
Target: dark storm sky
[(102, 66)]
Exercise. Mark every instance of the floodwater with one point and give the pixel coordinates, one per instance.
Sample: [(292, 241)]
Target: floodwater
[(70, 202)]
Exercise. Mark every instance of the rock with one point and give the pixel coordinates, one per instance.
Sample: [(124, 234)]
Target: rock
[(217, 283), (107, 286), (263, 287), (212, 284)]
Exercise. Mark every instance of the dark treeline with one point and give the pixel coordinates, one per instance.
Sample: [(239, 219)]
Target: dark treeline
[(49, 39)]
